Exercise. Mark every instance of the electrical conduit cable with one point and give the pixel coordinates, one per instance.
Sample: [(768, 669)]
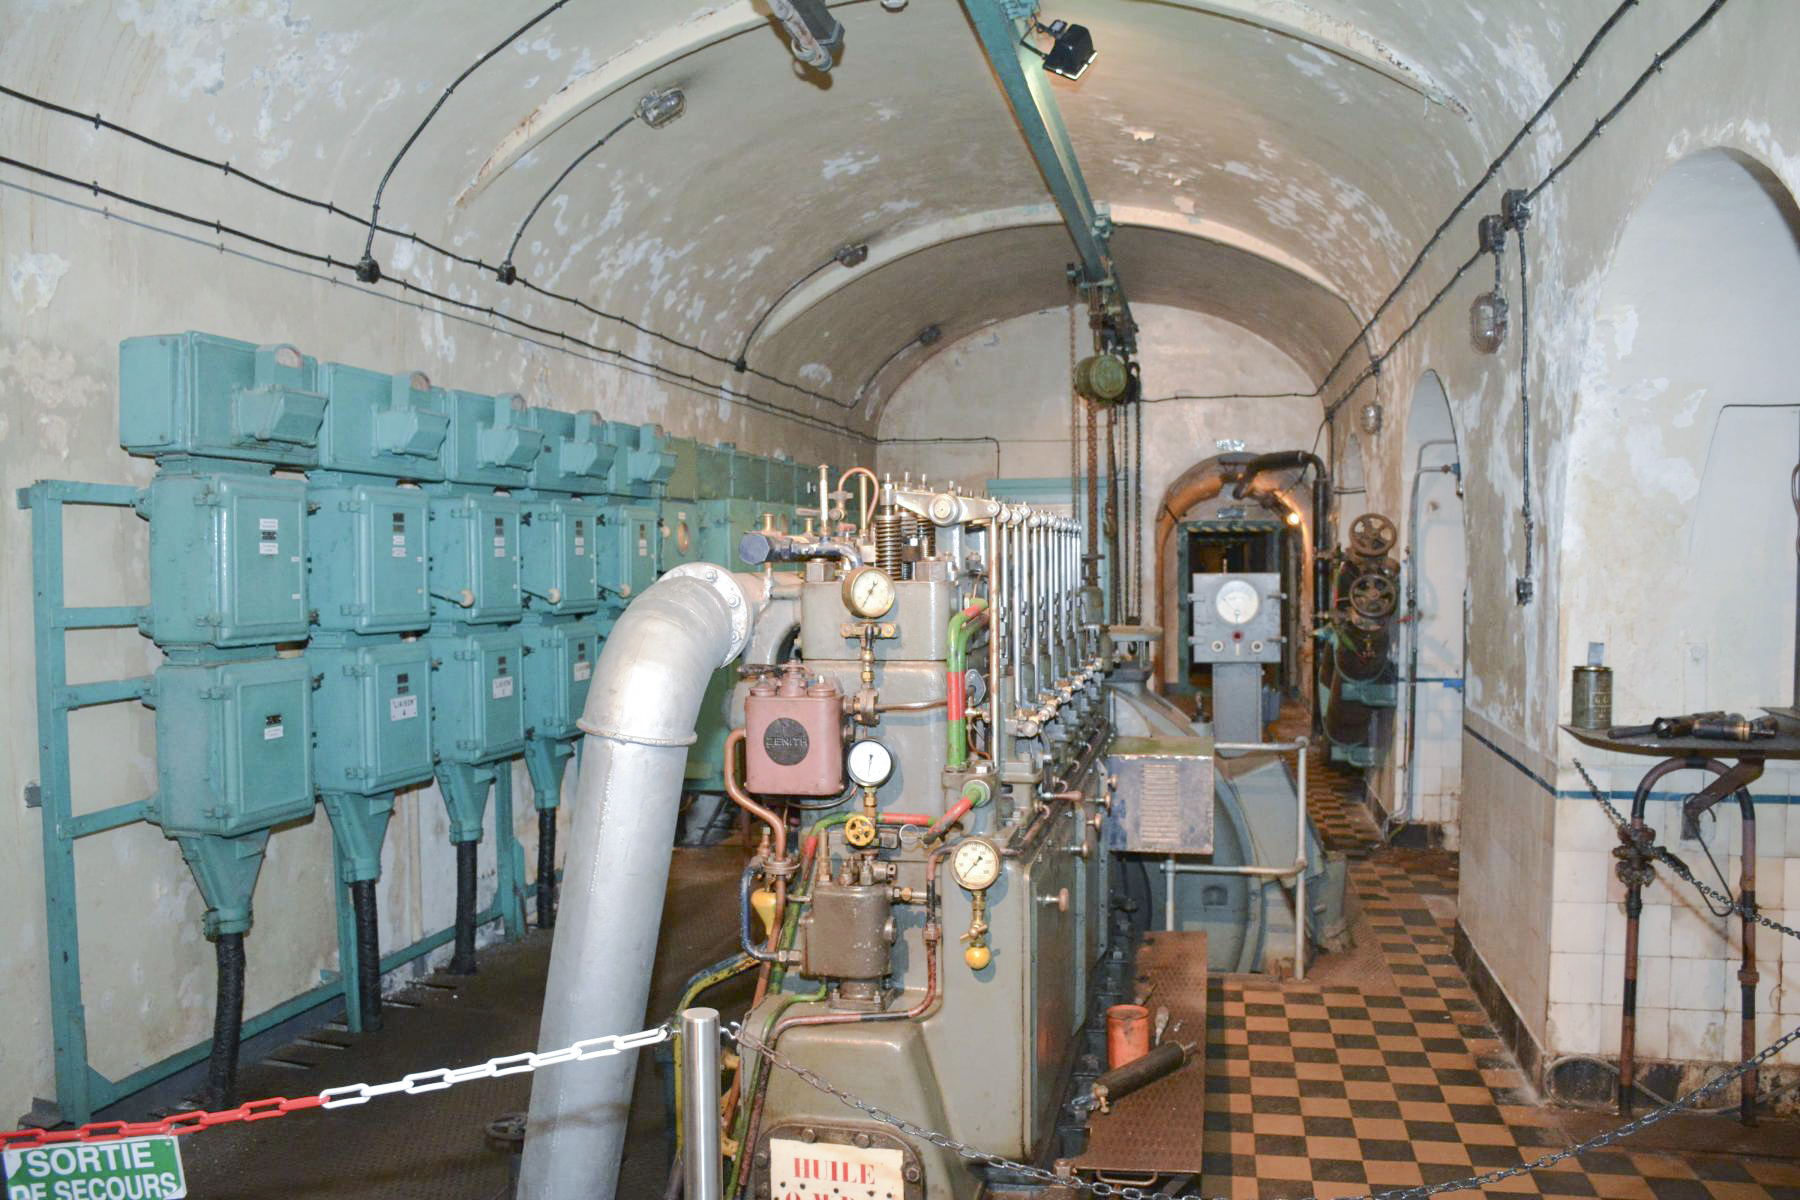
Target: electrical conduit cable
[(228, 1022), (546, 869), (462, 960), (368, 954)]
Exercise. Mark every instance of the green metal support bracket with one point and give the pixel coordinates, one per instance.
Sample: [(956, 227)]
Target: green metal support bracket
[(465, 787), (545, 759), (1027, 88)]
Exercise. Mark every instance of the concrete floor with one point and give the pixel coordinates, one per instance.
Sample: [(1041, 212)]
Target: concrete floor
[(1340, 1086), (437, 1145)]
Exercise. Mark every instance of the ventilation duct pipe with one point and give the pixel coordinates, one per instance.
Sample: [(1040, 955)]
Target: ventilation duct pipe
[(639, 723)]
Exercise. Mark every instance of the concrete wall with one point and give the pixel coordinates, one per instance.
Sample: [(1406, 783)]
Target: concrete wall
[(1001, 397), (76, 282), (1728, 89)]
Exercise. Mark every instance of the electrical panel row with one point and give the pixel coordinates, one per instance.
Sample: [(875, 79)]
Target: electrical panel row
[(261, 735), (198, 396)]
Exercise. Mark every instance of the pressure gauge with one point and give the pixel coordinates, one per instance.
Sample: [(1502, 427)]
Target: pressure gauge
[(868, 592), (975, 864), (870, 763), (1236, 602)]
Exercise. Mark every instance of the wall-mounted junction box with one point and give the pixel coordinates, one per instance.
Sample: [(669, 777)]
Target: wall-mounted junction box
[(559, 553), (366, 555), (194, 394), (489, 442), (378, 424), (575, 457), (477, 699), (227, 560), (559, 665), (233, 745), (474, 552), (372, 713)]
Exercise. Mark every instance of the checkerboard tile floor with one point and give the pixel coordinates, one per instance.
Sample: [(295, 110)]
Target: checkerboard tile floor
[(1344, 1089)]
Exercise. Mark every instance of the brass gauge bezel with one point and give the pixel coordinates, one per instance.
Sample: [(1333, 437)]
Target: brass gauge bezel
[(980, 874), (870, 605)]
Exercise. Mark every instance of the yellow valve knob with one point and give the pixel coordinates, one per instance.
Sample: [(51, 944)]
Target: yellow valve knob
[(859, 831), (762, 901), (978, 956)]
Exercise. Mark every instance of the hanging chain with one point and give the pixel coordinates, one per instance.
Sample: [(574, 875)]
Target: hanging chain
[(1112, 513), (1075, 417), (1098, 1187), (418, 1083), (1137, 512), (1679, 868)]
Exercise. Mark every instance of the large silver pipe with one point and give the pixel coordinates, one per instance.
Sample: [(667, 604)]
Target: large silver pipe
[(639, 721), (702, 1168)]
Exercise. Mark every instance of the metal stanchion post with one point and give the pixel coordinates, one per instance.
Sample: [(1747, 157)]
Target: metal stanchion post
[(702, 1167)]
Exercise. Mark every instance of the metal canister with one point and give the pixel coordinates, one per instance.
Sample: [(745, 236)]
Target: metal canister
[(1592, 704)]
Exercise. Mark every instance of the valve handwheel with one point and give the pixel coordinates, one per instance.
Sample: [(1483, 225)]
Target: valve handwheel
[(1372, 535), (1374, 597), (859, 831)]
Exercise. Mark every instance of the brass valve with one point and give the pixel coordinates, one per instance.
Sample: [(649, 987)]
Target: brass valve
[(977, 955), (860, 831)]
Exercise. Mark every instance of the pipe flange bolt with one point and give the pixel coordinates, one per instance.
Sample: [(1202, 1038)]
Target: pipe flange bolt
[(737, 600)]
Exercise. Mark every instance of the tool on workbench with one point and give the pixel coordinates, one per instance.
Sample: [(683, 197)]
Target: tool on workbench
[(1712, 726), (1120, 1082)]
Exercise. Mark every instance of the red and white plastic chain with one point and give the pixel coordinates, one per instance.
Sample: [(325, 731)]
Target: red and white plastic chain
[(338, 1097)]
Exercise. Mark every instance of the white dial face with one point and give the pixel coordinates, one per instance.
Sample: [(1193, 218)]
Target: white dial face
[(870, 763), (868, 592), (1236, 602), (975, 864)]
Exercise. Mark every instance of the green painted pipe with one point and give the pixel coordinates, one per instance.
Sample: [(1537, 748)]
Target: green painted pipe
[(957, 661)]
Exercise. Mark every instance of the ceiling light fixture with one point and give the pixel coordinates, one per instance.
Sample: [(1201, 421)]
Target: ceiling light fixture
[(659, 108), (1071, 50)]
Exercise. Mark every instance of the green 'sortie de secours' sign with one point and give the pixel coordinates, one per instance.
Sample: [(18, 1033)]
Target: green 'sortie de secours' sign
[(138, 1169)]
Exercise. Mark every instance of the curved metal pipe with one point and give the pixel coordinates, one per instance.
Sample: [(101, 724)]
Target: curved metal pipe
[(639, 721)]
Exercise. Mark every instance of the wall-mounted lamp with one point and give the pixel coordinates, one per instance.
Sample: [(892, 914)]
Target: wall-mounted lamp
[(1487, 322), (1071, 50), (659, 108), (1368, 417)]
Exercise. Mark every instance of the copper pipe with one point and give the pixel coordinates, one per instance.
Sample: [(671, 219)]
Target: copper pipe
[(778, 828)]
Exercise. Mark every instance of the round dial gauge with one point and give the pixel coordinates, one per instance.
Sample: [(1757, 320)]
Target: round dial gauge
[(1236, 602), (870, 763), (975, 864), (868, 592)]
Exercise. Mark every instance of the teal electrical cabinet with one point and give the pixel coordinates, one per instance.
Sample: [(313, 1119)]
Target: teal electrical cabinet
[(380, 424), (366, 558), (372, 716), (559, 665), (474, 559), (559, 549), (227, 560), (575, 455), (642, 462), (681, 527), (233, 745), (476, 695), (489, 443), (193, 394), (629, 548)]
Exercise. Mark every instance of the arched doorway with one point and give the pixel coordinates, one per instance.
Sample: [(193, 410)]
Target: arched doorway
[(1435, 585)]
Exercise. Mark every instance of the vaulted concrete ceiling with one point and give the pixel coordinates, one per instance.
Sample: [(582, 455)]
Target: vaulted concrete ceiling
[(1272, 162)]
